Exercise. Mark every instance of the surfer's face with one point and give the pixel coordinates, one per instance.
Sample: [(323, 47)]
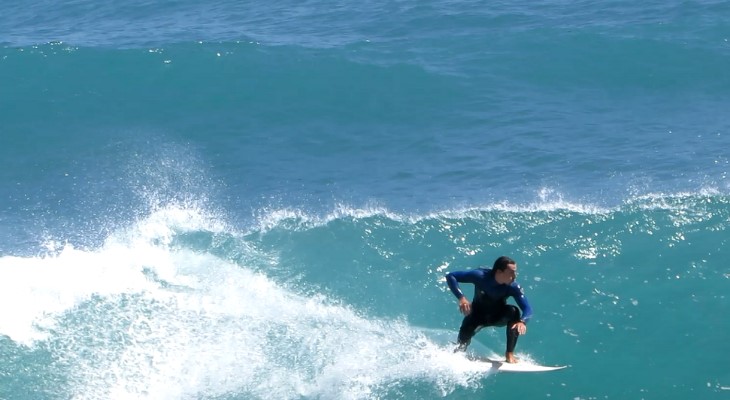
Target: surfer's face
[(507, 275)]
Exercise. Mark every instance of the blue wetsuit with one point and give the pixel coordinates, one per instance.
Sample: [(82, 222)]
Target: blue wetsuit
[(489, 306)]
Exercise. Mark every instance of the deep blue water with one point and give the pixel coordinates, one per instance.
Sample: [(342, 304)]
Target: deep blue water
[(241, 200)]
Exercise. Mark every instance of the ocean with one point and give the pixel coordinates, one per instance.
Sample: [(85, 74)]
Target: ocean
[(238, 200)]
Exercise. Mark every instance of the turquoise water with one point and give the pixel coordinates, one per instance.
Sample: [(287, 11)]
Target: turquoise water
[(249, 201)]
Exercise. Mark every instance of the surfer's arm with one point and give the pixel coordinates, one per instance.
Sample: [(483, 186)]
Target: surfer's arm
[(453, 279), (522, 302)]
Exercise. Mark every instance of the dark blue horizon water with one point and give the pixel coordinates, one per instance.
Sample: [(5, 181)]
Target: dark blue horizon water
[(235, 200)]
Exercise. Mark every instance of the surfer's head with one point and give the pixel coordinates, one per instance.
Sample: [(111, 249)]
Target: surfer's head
[(505, 270)]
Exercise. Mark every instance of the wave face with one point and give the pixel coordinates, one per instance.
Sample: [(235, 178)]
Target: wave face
[(252, 201), (353, 304)]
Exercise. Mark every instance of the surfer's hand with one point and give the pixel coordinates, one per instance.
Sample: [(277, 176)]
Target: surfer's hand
[(521, 327), (464, 306)]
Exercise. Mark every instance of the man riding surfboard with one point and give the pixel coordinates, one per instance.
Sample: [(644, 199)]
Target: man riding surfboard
[(489, 306)]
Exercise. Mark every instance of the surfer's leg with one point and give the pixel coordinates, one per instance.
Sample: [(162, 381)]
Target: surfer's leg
[(469, 327), (510, 317), (507, 316)]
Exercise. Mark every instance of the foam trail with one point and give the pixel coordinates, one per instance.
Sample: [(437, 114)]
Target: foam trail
[(234, 331), (43, 287), (46, 286), (143, 317)]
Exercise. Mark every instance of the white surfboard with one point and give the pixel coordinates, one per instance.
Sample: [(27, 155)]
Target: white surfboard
[(521, 366)]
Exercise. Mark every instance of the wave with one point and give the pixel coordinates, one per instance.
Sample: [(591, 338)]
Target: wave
[(550, 201), (147, 317), (180, 304), (152, 251)]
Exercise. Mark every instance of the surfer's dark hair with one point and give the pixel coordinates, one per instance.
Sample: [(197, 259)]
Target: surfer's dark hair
[(502, 262)]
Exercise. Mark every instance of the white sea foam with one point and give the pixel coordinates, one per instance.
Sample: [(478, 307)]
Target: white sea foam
[(141, 318)]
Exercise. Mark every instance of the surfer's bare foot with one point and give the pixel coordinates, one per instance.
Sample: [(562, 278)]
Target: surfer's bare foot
[(510, 358), (461, 347)]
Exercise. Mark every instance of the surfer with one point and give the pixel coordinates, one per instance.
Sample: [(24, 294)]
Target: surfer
[(489, 307)]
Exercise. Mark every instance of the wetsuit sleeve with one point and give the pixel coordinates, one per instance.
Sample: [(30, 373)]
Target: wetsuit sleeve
[(454, 278), (519, 295)]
